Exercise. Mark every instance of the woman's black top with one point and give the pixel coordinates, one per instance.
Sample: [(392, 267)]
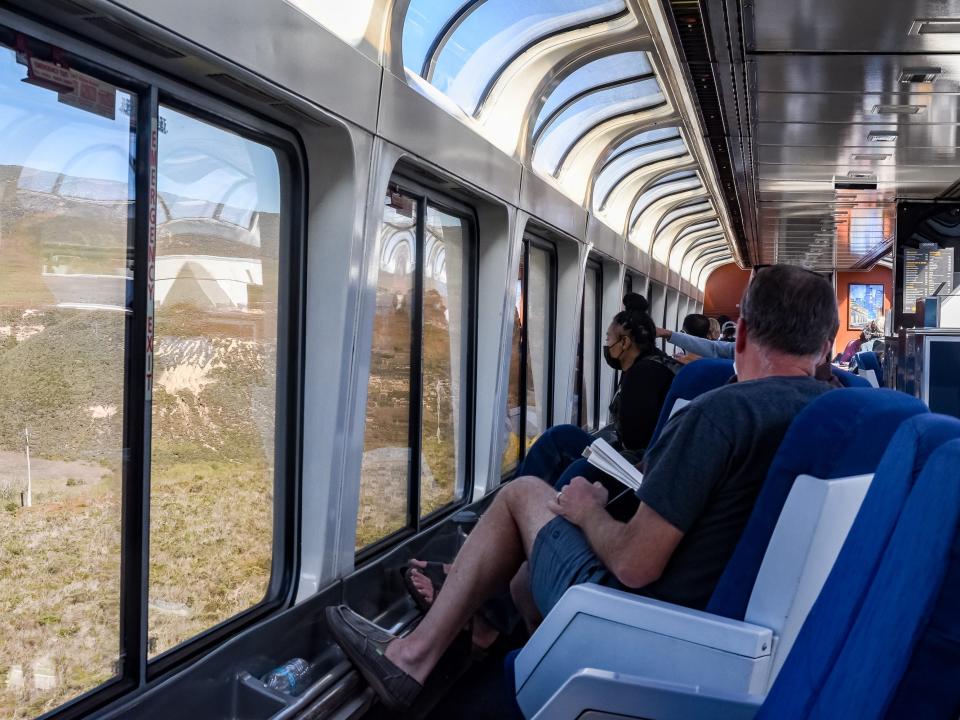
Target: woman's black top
[(637, 404)]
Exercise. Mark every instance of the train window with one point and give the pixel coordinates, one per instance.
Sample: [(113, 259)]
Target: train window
[(588, 360), (215, 364), (419, 395), (66, 197), (529, 391)]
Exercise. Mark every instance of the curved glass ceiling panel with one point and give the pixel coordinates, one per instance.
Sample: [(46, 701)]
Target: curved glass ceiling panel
[(588, 112), (705, 225), (496, 31), (666, 186), (691, 207), (628, 162), (608, 69), (644, 138), (424, 22)]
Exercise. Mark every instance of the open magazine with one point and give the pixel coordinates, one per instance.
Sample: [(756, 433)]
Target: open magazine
[(602, 456)]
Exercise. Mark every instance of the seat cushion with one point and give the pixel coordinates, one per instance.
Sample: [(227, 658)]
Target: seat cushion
[(826, 441)]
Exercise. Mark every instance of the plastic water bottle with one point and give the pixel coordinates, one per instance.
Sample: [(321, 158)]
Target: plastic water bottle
[(289, 678)]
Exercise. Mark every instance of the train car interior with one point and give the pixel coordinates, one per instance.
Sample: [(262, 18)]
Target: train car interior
[(295, 295)]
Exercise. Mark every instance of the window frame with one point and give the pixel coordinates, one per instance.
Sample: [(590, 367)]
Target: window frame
[(151, 89), (532, 240), (593, 265), (424, 197)]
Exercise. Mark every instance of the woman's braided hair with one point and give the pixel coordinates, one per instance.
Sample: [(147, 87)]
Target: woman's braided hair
[(636, 322)]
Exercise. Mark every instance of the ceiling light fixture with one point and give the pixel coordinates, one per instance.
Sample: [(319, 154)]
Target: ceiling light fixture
[(870, 157), (920, 74), (894, 109), (935, 26)]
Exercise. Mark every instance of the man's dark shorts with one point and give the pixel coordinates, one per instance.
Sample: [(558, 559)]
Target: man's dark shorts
[(562, 558)]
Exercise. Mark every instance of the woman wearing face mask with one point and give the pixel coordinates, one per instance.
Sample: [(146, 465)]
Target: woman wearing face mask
[(646, 374)]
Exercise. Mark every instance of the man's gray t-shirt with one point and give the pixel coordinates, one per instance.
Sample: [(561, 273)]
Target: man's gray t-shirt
[(705, 471)]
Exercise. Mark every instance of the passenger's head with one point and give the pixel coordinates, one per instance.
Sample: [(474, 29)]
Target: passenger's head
[(714, 333), (696, 324), (728, 331), (788, 319), (631, 334)]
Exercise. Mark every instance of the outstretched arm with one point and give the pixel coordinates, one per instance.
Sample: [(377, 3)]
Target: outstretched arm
[(699, 346)]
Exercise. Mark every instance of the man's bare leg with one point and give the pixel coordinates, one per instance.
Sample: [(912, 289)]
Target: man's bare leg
[(488, 560), (523, 598)]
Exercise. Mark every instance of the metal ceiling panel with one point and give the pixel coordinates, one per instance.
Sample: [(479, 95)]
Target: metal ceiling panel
[(851, 26), (830, 135), (849, 108), (874, 74), (859, 158)]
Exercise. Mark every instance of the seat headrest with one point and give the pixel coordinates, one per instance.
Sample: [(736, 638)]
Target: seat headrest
[(693, 380), (849, 380), (841, 433)]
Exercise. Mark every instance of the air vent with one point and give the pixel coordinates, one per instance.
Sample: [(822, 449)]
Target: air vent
[(870, 157), (134, 38), (898, 109), (935, 26), (920, 74), (882, 136), (240, 86)]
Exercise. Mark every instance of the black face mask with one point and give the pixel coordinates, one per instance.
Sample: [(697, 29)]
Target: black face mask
[(610, 359)]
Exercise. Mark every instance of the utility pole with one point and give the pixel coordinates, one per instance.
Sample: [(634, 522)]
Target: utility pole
[(28, 495)]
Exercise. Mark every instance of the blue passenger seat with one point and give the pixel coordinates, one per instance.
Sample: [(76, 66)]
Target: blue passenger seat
[(848, 379), (840, 435), (848, 432), (693, 380), (868, 366), (882, 639)]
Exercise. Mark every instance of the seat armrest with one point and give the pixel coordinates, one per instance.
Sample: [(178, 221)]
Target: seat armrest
[(605, 629), (630, 696)]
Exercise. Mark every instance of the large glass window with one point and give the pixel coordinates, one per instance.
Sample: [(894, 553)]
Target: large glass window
[(616, 68), (138, 377), (215, 365), (529, 392), (490, 34), (567, 127), (419, 393), (588, 356), (66, 197)]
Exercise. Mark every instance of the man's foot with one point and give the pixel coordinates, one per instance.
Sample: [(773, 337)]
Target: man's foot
[(424, 580), (366, 644)]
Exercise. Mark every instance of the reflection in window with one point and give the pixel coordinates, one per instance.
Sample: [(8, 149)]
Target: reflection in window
[(444, 339), (440, 261), (494, 32), (386, 448), (566, 128), (609, 69), (215, 360), (66, 192), (528, 392)]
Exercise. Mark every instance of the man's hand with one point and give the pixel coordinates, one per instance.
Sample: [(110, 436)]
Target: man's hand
[(579, 500), (664, 333)]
